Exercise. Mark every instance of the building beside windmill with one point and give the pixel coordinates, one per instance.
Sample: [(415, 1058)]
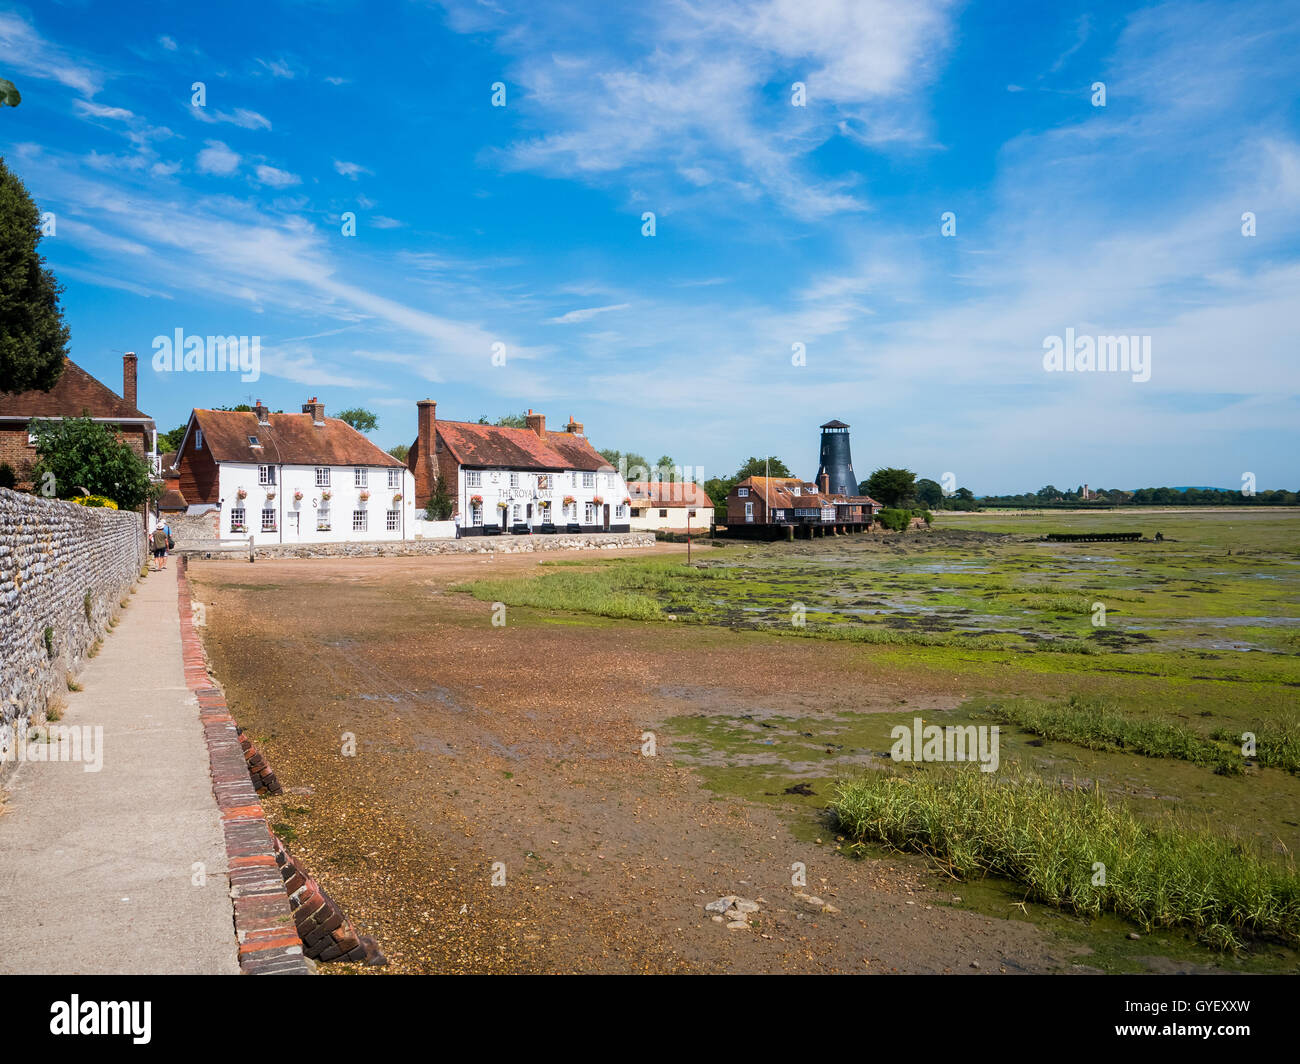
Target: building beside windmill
[(768, 507)]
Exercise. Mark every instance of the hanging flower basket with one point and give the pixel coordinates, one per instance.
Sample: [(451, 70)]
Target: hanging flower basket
[(503, 506), (270, 495), (365, 496), (326, 495), (397, 498), (597, 500), (476, 500), (627, 500), (569, 500), (242, 493), (297, 496)]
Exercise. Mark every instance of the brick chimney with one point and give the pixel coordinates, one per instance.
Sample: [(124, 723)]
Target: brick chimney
[(573, 426), (316, 409), (536, 422), (263, 414), (128, 378), (824, 483), (426, 444)]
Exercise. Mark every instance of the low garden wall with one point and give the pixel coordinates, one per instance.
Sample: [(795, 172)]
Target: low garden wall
[(469, 545), (63, 570)]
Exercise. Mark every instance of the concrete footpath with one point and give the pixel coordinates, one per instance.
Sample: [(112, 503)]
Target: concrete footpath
[(97, 869)]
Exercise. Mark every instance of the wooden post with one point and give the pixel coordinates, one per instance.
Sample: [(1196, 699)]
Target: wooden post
[(251, 558), (688, 537)]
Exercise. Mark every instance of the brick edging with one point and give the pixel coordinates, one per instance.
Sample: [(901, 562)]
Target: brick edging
[(264, 926)]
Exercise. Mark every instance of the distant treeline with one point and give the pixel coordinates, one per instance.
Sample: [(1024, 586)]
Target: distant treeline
[(1050, 498)]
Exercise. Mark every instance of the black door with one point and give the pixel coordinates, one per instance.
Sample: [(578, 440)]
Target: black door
[(606, 517)]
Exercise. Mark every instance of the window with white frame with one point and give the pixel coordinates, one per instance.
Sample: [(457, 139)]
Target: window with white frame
[(394, 516), (591, 513), (514, 480), (588, 480), (394, 478), (476, 513), (742, 493), (359, 476), (198, 439), (749, 510), (237, 519), (268, 519), (359, 520), (515, 515), (473, 478), (618, 512), (322, 476), (544, 482), (266, 474), (323, 516)]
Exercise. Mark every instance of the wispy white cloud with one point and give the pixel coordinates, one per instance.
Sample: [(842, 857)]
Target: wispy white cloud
[(240, 116), (350, 170), (24, 51), (586, 314), (217, 158), (698, 103), (275, 178)]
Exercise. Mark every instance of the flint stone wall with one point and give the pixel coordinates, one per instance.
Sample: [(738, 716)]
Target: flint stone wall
[(51, 554)]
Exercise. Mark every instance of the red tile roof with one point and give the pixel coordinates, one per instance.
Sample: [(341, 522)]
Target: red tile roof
[(667, 493), (289, 439), (500, 447), (777, 493), (75, 393)]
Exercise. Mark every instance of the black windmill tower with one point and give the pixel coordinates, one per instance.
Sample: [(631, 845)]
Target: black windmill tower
[(836, 461)]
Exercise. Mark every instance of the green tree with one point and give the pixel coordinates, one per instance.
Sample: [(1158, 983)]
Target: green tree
[(400, 451), (929, 492), (171, 441), (360, 419), (889, 486), (762, 467), (33, 336), (440, 505), (8, 94), (85, 456)]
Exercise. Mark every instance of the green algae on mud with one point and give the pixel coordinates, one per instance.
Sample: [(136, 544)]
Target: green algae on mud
[(792, 764)]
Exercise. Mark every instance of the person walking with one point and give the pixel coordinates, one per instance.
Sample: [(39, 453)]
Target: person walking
[(158, 545), (169, 544)]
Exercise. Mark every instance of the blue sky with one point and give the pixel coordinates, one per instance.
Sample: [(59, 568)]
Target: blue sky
[(775, 224)]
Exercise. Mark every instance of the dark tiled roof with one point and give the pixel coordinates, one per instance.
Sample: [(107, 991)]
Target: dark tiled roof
[(665, 493), (75, 393), (835, 425), (499, 447), (778, 493), (289, 439)]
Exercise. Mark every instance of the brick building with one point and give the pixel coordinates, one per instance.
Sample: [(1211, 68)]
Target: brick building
[(75, 394)]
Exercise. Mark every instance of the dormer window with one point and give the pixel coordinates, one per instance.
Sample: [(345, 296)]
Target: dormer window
[(742, 493), (252, 442)]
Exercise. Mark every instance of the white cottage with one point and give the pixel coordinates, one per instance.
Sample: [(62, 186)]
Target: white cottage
[(293, 478), (503, 479)]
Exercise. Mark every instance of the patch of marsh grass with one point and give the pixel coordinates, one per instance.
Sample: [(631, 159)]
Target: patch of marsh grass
[(1097, 724), (1056, 840)]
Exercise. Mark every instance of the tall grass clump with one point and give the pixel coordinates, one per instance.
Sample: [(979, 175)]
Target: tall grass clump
[(1054, 840), (1277, 743), (1096, 724)]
